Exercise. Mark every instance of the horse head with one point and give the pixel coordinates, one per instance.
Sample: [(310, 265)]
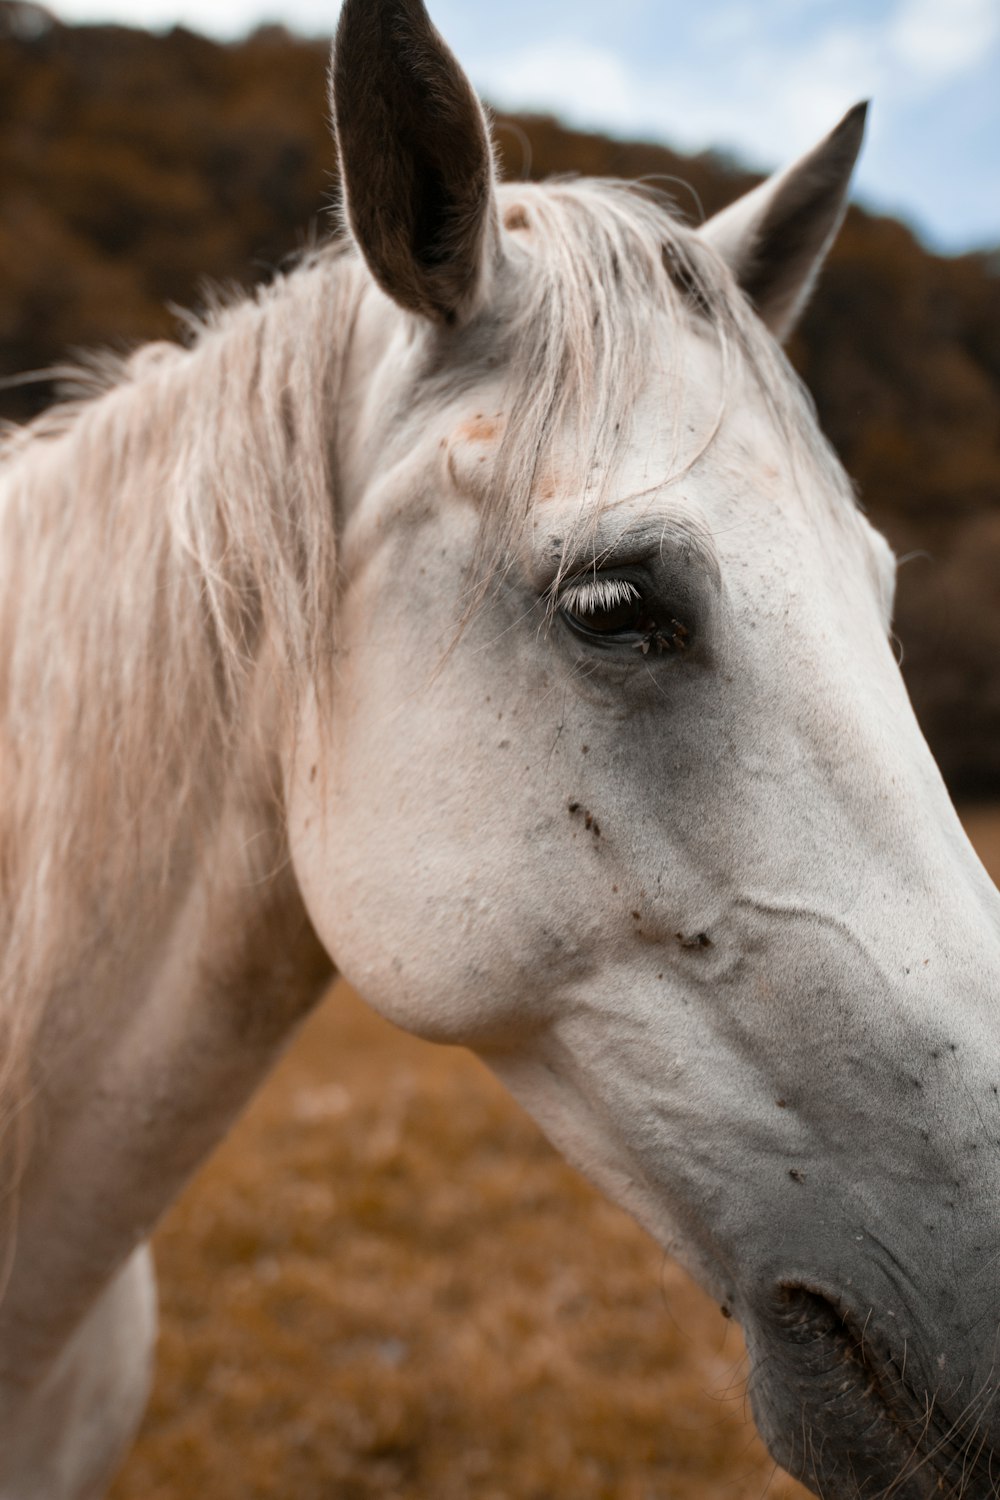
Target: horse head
[(616, 781)]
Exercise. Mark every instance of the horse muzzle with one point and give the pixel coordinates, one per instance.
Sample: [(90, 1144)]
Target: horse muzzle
[(840, 1410)]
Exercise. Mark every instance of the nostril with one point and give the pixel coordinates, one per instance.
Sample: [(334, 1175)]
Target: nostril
[(805, 1316), (828, 1339), (828, 1367)]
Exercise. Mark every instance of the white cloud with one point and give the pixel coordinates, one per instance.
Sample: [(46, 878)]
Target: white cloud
[(743, 83), (765, 104), (581, 82), (939, 41)]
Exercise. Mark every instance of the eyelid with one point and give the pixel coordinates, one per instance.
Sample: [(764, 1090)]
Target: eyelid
[(588, 596)]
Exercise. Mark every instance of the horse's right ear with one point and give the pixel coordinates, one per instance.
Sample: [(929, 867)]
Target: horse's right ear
[(415, 157), (775, 237)]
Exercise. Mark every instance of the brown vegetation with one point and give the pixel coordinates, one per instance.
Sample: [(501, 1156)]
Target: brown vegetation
[(386, 1286)]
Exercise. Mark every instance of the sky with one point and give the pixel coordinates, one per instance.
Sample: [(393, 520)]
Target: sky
[(761, 80)]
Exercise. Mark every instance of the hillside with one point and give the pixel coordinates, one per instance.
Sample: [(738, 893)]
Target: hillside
[(134, 167)]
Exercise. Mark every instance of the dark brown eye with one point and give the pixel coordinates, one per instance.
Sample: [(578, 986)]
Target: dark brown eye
[(613, 611), (603, 606)]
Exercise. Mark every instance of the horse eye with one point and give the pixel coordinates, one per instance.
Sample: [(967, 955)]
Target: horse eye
[(608, 607), (613, 611)]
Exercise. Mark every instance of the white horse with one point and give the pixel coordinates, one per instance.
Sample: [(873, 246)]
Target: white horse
[(480, 611)]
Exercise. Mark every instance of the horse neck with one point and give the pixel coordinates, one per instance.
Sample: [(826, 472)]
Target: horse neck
[(167, 570)]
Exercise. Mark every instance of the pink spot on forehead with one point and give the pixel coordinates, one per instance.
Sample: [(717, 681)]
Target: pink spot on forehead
[(469, 446), (479, 429)]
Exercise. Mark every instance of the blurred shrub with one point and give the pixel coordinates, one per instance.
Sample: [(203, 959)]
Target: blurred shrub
[(132, 166)]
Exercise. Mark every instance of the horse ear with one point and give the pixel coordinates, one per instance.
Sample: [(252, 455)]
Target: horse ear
[(776, 237), (416, 159)]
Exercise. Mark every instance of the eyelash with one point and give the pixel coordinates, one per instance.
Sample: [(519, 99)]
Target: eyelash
[(595, 594), (640, 623)]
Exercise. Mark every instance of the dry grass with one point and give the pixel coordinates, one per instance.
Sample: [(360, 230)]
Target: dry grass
[(386, 1286)]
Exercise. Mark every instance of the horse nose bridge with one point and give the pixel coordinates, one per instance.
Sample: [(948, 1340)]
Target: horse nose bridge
[(874, 1033), (836, 738), (840, 798), (892, 951), (885, 1108), (865, 852)]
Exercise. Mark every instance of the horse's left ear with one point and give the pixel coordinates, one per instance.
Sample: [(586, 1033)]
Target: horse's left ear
[(776, 237), (416, 159)]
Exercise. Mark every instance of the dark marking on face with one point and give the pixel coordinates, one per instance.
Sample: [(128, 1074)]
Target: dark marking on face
[(515, 218), (726, 1312), (589, 821), (796, 1175), (312, 773), (781, 1103), (697, 940)]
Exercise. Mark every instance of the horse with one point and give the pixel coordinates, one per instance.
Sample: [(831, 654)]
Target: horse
[(478, 610)]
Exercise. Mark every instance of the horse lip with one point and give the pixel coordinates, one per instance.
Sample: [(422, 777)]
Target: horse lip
[(853, 1426)]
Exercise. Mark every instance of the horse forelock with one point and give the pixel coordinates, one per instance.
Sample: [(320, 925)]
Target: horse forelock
[(592, 266)]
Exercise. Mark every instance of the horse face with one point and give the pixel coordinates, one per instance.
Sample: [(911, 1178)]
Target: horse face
[(704, 906), (656, 833)]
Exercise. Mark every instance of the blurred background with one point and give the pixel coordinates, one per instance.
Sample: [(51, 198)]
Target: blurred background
[(386, 1285)]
